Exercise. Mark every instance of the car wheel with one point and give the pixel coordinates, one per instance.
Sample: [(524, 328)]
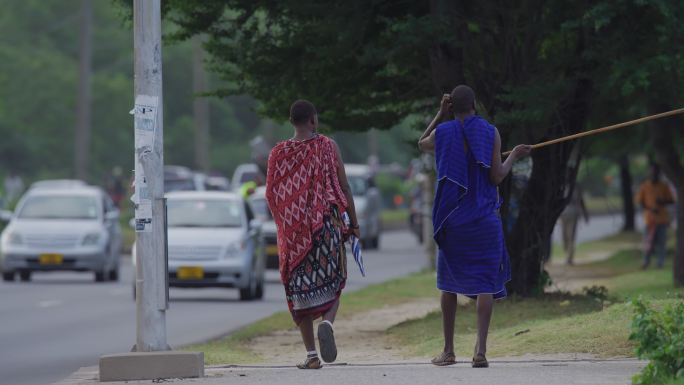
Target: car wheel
[(114, 274), (99, 276), (8, 276), (260, 289), (249, 292), (375, 242), (25, 276)]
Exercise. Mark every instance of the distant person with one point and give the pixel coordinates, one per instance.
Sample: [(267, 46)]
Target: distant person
[(568, 220), (307, 191), (116, 187), (654, 196), (472, 258), (14, 187)]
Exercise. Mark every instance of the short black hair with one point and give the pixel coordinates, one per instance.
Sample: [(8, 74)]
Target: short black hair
[(462, 99), (301, 111)]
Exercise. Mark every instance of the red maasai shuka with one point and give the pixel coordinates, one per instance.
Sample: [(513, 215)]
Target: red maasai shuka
[(301, 186)]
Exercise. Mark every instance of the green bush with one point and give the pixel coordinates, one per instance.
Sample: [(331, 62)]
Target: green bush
[(660, 339)]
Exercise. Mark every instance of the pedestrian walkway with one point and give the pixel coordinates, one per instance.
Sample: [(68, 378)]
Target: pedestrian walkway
[(527, 371)]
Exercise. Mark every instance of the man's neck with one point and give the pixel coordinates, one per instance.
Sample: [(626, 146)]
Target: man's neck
[(464, 116), (302, 134)]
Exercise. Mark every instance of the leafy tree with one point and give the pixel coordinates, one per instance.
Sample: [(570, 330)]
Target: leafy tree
[(370, 64), (643, 40)]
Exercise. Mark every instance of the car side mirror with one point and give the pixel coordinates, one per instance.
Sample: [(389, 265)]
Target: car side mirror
[(5, 215), (112, 215)]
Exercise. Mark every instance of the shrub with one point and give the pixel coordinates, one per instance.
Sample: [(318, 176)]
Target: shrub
[(660, 339)]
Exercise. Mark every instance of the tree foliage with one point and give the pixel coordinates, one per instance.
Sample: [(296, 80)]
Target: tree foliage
[(537, 67)]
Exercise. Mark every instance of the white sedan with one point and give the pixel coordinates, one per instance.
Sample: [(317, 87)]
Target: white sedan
[(62, 227), (214, 241)]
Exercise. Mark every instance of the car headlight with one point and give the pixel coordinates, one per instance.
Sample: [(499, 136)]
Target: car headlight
[(91, 239), (234, 250), (15, 239)]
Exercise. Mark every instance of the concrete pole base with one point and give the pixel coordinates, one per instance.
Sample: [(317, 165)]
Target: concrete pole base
[(151, 366)]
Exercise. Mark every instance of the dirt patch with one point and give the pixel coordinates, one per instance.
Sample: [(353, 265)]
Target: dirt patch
[(360, 338)]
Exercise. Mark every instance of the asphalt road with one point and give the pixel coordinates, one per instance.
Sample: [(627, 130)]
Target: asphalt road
[(60, 322)]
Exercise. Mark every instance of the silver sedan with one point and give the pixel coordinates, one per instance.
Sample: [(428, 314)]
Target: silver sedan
[(214, 241), (59, 227)]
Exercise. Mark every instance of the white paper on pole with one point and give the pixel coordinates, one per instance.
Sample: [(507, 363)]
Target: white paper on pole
[(145, 115)]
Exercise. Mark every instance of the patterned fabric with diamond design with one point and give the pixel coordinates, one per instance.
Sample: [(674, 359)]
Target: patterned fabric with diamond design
[(301, 188)]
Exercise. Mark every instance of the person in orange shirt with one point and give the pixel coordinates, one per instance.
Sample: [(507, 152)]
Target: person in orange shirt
[(654, 195)]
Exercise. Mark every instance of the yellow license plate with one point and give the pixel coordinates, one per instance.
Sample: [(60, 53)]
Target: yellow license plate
[(272, 250), (193, 272), (51, 259)]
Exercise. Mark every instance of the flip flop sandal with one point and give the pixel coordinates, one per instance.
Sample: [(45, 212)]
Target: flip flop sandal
[(310, 363), (326, 341), (444, 359), (480, 361)]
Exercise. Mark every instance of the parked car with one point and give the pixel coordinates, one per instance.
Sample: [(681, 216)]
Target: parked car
[(368, 203), (214, 241), (180, 178), (62, 228), (217, 183), (248, 172), (58, 183), (268, 229)]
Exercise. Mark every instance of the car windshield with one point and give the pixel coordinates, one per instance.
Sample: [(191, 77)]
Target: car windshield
[(179, 185), (260, 208), (248, 176), (358, 184), (59, 207), (204, 213)]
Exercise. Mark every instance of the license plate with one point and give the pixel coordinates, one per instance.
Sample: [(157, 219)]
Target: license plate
[(272, 250), (51, 259), (192, 272)]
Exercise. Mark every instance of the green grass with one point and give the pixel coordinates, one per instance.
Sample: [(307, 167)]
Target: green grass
[(557, 323), (234, 348), (608, 245), (554, 323), (603, 205), (394, 217)]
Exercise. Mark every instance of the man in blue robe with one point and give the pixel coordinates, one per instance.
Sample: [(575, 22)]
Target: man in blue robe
[(472, 259)]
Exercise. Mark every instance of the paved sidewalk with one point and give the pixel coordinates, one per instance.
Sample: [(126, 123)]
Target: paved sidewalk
[(508, 372)]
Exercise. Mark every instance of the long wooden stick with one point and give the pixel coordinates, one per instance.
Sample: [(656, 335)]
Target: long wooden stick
[(604, 129)]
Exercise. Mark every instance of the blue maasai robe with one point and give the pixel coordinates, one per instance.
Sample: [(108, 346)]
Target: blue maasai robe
[(472, 256)]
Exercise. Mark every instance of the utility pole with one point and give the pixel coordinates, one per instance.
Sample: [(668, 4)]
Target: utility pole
[(83, 104), (151, 358), (200, 106), (151, 267)]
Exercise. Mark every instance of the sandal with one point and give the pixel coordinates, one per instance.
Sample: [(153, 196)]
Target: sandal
[(444, 359), (326, 341), (310, 363), (480, 361)]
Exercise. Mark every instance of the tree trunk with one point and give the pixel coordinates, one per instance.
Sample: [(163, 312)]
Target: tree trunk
[(548, 190), (200, 107), (83, 106), (627, 195), (668, 158)]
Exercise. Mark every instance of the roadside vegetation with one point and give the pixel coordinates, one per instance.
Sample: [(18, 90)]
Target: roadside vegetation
[(592, 320)]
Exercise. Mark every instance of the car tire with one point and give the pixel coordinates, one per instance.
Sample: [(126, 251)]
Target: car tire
[(114, 274), (8, 276), (249, 292), (25, 276), (375, 242), (260, 289), (134, 292), (100, 276)]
